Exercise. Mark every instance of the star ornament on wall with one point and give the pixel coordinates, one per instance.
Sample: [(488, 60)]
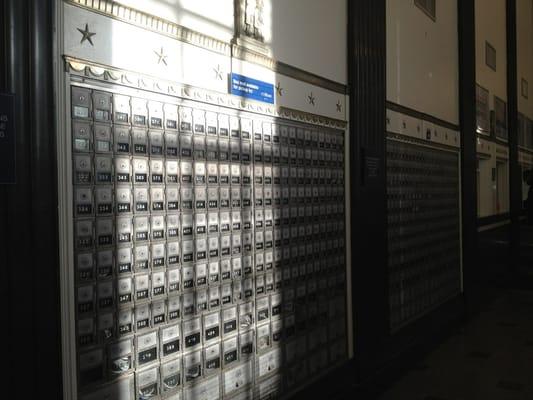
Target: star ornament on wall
[(87, 35), (161, 56), (339, 106), (311, 99)]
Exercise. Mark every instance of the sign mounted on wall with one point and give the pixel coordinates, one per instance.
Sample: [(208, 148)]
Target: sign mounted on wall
[(7, 139), (250, 88)]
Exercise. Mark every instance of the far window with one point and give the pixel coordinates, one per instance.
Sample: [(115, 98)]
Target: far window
[(490, 56), (525, 89), (500, 118), (482, 110)]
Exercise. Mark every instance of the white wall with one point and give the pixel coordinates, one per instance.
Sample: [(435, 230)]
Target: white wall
[(308, 34), (311, 35), (524, 31), (491, 27), (422, 58), (210, 17)]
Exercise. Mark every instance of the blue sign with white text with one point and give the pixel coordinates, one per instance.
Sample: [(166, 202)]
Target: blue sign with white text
[(249, 88)]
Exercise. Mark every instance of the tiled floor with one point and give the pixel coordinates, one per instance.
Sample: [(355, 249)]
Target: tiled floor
[(491, 357)]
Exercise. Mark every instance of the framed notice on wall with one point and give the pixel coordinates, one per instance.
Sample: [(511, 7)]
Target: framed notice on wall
[(500, 118), (482, 110)]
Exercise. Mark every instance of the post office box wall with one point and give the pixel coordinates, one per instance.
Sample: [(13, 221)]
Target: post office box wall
[(200, 258)]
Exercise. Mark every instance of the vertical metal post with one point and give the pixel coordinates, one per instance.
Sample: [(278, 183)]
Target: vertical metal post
[(29, 207), (467, 108), (515, 180), (367, 81)]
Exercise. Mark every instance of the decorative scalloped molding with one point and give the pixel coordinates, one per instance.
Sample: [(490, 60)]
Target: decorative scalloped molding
[(138, 81)]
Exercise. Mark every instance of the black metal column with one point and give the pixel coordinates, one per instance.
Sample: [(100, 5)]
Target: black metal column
[(29, 207), (367, 80), (16, 199), (515, 180), (467, 111)]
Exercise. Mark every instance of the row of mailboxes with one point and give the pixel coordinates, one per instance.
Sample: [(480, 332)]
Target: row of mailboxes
[(294, 315), (203, 349), (106, 200), (118, 139), (198, 246), (205, 329), (408, 305), (166, 302), (190, 275), (420, 245), (157, 199), (106, 107), (424, 264), (191, 294), (264, 379), (122, 142), (198, 376), (106, 263), (287, 222), (197, 348), (102, 169), (126, 230), (163, 281)]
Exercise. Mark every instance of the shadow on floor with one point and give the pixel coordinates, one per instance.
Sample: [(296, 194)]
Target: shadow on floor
[(489, 357)]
